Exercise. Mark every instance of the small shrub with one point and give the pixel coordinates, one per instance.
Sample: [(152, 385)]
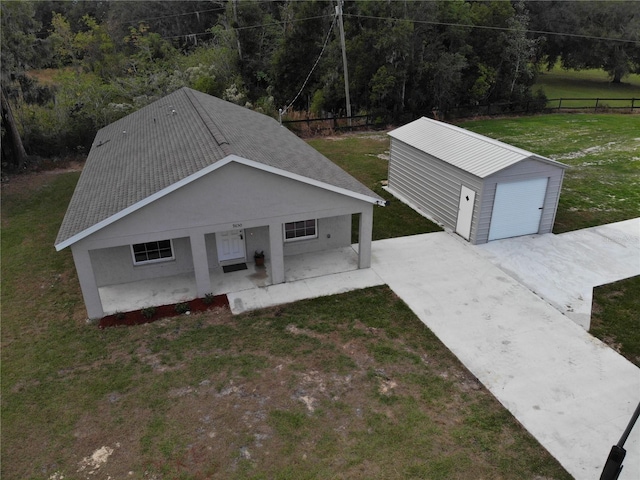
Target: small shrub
[(208, 298), (120, 315), (148, 312), (182, 308)]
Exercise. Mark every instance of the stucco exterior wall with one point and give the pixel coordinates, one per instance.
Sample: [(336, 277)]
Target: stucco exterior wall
[(333, 232), (235, 196), (114, 264)]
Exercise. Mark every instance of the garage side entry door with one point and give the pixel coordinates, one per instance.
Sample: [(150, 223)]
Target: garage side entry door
[(517, 208), (465, 212)]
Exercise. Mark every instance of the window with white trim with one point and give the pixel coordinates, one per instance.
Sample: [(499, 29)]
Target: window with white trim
[(302, 230), (151, 252)]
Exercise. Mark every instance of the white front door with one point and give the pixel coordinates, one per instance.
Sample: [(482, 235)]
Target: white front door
[(465, 212), (230, 247)]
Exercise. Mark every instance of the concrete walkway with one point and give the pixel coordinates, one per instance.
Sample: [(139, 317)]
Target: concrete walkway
[(322, 273), (572, 392)]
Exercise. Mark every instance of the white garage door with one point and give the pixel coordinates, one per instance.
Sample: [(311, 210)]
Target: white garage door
[(517, 208)]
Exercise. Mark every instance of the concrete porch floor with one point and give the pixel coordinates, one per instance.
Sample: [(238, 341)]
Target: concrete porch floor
[(178, 288)]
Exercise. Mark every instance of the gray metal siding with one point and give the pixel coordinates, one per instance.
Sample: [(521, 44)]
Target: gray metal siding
[(525, 170), (431, 185)]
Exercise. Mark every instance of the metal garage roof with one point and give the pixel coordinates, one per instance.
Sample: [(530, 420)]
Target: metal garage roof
[(479, 155)]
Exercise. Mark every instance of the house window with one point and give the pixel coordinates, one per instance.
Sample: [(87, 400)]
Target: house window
[(300, 230), (152, 252)]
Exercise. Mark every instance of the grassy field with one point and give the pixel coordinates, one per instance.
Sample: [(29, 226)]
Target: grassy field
[(560, 83), (349, 386)]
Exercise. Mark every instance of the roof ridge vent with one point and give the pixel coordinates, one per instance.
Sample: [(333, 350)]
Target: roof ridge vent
[(215, 132)]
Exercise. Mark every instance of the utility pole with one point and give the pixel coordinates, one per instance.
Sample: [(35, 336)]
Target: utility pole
[(344, 59)]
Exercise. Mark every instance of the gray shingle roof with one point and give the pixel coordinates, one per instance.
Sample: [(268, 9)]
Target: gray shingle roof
[(482, 156), (175, 137)]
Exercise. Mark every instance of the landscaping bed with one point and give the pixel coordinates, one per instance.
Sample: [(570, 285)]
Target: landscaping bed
[(151, 314)]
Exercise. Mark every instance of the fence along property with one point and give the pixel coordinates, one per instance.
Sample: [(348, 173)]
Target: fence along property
[(594, 103), (311, 126)]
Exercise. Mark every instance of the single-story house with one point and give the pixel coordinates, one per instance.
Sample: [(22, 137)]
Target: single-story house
[(479, 187), (191, 182)]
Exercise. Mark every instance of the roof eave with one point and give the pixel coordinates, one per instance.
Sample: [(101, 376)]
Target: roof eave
[(219, 164)]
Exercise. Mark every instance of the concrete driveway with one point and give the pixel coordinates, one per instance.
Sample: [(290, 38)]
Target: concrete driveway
[(574, 394), (564, 269)]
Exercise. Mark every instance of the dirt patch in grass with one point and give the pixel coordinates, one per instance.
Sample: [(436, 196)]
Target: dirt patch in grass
[(38, 176), (351, 386)]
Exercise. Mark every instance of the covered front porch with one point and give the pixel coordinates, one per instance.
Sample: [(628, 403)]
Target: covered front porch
[(178, 288)]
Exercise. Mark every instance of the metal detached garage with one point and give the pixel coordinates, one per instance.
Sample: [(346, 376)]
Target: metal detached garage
[(481, 188)]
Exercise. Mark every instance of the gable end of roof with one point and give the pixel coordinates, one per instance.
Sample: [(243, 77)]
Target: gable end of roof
[(211, 168)]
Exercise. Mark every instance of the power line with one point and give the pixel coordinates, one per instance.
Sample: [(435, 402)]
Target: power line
[(486, 27), (248, 27), (196, 12), (324, 46)]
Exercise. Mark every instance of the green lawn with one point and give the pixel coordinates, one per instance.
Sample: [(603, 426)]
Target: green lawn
[(615, 318), (348, 386), (365, 156), (560, 83)]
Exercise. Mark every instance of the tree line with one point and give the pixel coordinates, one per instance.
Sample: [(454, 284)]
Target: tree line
[(70, 68)]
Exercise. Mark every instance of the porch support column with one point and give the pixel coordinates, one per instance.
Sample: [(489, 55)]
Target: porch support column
[(200, 264), (364, 235), (88, 284), (276, 245)]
